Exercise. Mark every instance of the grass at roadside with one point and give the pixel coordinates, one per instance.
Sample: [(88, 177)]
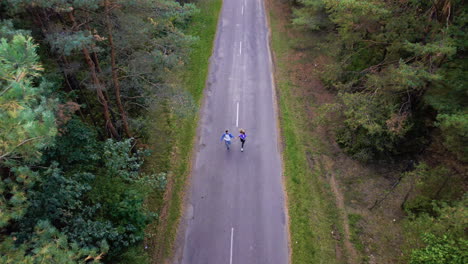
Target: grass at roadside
[(371, 199), (204, 25), (176, 149), (312, 212), (356, 230)]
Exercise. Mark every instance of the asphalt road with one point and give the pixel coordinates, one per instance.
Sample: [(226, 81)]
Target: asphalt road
[(235, 211)]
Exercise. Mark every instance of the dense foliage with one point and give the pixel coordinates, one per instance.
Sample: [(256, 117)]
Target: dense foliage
[(440, 233), (441, 250), (398, 69), (76, 80)]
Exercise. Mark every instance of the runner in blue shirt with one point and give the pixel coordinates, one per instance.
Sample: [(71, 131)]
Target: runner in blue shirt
[(242, 137), (227, 138)]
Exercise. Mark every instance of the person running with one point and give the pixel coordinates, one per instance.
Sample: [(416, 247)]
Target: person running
[(242, 137), (227, 138)]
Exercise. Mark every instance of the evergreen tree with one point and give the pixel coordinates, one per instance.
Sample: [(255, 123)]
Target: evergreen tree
[(125, 68), (394, 61), (47, 245), (27, 122)]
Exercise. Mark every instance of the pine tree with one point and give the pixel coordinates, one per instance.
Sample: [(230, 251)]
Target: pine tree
[(27, 122), (125, 68), (391, 57)]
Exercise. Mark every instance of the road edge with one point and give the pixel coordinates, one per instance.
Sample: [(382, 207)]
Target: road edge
[(272, 61), (178, 254)]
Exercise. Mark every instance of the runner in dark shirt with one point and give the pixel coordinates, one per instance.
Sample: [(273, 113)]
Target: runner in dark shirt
[(242, 137)]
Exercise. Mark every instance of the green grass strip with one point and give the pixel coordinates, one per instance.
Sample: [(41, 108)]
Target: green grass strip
[(312, 212), (193, 78)]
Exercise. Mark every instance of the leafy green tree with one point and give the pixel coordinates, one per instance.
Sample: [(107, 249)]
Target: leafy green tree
[(99, 199), (435, 233), (76, 148)]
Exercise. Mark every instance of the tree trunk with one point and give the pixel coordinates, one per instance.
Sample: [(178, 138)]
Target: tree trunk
[(74, 85), (94, 55), (101, 97), (115, 79)]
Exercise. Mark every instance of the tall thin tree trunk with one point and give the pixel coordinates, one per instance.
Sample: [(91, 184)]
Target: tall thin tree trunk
[(94, 55), (101, 97), (115, 79)]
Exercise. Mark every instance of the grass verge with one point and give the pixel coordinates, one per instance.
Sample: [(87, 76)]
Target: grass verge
[(312, 212), (367, 219), (173, 138), (356, 230)]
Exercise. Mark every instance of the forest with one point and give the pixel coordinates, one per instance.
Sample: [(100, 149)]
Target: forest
[(398, 72), (77, 81), (80, 79)]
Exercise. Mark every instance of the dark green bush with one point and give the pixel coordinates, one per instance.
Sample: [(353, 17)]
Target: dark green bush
[(441, 250)]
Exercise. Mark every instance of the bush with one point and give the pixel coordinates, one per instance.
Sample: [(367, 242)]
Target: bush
[(455, 133), (440, 237), (434, 187), (91, 191), (441, 250)]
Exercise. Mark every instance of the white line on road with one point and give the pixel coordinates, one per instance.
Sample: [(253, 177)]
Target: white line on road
[(237, 115), (242, 10), (240, 48), (232, 237)]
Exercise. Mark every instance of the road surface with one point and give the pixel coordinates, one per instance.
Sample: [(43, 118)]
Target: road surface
[(235, 212)]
